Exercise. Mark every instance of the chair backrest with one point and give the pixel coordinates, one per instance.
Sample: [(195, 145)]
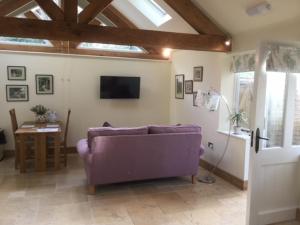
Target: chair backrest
[(67, 128), (13, 118)]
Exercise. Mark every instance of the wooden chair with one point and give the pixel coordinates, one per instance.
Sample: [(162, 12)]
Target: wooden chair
[(14, 124), (63, 143)]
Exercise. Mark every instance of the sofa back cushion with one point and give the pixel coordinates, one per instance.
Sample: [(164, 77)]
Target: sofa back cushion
[(110, 131), (174, 129)]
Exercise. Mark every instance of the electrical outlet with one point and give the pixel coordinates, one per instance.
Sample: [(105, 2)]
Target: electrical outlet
[(210, 145)]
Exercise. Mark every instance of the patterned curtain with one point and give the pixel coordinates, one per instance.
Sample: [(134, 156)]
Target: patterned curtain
[(243, 63), (284, 59)]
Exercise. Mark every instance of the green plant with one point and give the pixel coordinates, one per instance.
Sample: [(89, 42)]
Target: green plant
[(39, 110), (238, 117)]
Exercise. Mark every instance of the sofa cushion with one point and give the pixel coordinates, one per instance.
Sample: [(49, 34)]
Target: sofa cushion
[(110, 131), (174, 129), (106, 124)]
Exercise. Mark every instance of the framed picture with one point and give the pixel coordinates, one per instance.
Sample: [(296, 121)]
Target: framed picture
[(198, 73), (17, 93), (179, 86), (44, 84), (188, 86), (194, 99), (16, 73)]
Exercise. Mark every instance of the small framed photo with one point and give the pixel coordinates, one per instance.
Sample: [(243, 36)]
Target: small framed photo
[(17, 93), (198, 73), (16, 73), (195, 99), (179, 86), (44, 84), (188, 87)]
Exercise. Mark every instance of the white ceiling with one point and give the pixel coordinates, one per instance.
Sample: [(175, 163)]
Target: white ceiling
[(229, 14)]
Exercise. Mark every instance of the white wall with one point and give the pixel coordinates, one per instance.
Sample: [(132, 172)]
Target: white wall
[(76, 83), (218, 77)]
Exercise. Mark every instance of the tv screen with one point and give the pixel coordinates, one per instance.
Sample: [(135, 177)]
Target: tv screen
[(119, 87)]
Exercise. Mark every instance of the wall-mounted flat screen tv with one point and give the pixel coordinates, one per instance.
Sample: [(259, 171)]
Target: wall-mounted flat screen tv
[(118, 87)]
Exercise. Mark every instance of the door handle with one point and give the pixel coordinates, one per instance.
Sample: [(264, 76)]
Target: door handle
[(257, 139)]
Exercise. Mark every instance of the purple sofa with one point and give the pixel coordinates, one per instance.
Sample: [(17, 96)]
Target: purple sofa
[(113, 155)]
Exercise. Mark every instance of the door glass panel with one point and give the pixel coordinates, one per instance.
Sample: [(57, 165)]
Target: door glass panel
[(275, 100), (296, 133)]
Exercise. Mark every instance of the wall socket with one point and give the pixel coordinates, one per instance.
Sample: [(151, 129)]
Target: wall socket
[(210, 145)]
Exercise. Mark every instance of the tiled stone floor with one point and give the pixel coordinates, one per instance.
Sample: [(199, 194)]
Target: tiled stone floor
[(59, 198)]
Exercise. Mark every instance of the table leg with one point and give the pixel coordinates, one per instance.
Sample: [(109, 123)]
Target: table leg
[(57, 151), (37, 157), (43, 152), (22, 154)]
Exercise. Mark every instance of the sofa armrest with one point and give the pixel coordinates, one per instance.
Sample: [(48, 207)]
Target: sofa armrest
[(82, 148)]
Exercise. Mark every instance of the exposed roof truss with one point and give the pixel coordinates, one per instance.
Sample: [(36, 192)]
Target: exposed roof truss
[(67, 28)]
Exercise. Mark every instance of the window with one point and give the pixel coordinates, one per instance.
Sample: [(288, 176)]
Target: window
[(275, 108), (40, 13), (24, 41), (244, 94), (111, 47), (152, 11), (296, 130)]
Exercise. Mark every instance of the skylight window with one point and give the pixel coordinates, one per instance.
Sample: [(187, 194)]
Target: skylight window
[(154, 12), (40, 13), (111, 47), (24, 41)]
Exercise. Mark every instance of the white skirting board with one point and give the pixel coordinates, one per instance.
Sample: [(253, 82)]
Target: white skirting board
[(276, 215)]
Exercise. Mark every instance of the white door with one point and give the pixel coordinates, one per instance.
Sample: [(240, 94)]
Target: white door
[(273, 185)]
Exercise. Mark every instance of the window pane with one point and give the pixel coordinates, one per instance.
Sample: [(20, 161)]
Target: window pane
[(245, 95), (152, 11), (111, 47), (275, 100), (24, 41), (296, 134)]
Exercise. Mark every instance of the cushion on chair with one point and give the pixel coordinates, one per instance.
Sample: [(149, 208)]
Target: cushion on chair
[(109, 131), (174, 129)]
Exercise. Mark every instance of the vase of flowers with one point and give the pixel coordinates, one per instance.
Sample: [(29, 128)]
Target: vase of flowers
[(236, 119), (40, 112)]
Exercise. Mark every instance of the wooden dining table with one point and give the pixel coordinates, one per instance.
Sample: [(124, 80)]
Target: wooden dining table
[(39, 132)]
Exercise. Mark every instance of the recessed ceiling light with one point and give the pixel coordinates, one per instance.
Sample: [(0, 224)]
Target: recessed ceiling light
[(167, 52), (228, 42)]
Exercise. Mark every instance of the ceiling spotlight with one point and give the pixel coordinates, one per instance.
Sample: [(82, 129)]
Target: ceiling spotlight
[(259, 9), (167, 52), (228, 43)]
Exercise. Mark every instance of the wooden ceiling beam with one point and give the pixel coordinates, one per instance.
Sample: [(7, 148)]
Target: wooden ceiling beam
[(31, 15), (121, 21), (195, 17), (118, 18), (92, 10), (57, 30), (51, 9), (70, 10), (9, 6)]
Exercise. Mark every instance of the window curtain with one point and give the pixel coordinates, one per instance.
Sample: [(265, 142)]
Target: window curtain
[(243, 63), (284, 59)]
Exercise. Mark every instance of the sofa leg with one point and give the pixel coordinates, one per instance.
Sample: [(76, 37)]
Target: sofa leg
[(91, 189), (193, 179)]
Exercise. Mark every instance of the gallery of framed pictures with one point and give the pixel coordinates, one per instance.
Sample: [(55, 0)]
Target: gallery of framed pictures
[(17, 93), (44, 84)]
